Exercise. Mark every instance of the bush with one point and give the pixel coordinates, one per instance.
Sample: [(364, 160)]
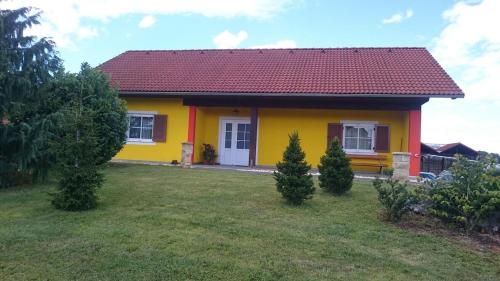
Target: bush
[(77, 188), (389, 171), (471, 195), (293, 180), (335, 170), (209, 155), (394, 196), (93, 123), (79, 176)]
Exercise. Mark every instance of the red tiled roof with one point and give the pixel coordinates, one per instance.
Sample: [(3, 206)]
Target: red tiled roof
[(336, 71)]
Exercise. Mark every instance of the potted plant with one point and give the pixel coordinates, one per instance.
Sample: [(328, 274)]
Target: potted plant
[(209, 155)]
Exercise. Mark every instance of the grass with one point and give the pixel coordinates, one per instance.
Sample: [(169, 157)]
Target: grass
[(166, 223)]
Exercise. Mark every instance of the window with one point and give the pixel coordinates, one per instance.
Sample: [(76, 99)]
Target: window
[(359, 138), (243, 136), (229, 135), (140, 127)]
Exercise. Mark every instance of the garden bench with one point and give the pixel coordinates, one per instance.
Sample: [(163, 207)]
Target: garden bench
[(376, 161)]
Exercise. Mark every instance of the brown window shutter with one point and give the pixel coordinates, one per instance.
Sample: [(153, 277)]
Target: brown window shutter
[(382, 139), (334, 130), (160, 128)]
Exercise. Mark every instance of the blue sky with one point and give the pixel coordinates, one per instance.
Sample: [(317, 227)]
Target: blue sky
[(460, 34)]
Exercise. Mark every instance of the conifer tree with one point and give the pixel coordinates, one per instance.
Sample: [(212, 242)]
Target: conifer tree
[(293, 180), (336, 175), (27, 64), (92, 130)]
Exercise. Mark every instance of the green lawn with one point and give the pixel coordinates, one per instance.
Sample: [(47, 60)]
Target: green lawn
[(166, 223)]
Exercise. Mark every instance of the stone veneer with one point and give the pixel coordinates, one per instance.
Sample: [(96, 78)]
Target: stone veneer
[(187, 153), (401, 165)]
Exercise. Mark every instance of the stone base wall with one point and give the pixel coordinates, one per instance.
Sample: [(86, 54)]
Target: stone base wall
[(187, 154), (401, 165)]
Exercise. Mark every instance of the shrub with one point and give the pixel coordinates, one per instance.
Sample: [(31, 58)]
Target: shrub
[(292, 178), (79, 176), (389, 171), (394, 196), (77, 188), (93, 122), (209, 155), (471, 195), (335, 170), (495, 172)]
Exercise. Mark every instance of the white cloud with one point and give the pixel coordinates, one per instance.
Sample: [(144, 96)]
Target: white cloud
[(398, 17), (62, 19), (227, 40), (86, 32), (469, 49), (278, 44), (147, 21)]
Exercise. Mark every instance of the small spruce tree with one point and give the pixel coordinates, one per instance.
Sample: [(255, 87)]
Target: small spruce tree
[(335, 170), (93, 122), (293, 180)]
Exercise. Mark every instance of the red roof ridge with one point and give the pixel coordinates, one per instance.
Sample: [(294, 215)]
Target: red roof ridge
[(277, 49)]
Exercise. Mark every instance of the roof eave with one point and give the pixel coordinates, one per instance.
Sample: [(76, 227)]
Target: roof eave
[(373, 95)]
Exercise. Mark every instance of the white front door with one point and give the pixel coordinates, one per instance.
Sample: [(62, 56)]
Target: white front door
[(234, 141)]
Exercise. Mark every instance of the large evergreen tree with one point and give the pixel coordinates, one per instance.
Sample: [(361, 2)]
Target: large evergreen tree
[(92, 130), (335, 169), (26, 65), (293, 180)]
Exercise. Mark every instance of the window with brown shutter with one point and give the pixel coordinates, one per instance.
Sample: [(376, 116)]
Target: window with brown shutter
[(160, 128), (382, 139), (334, 130)]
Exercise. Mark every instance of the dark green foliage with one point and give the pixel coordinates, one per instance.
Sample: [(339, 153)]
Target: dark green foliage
[(26, 107), (92, 130), (293, 180), (389, 171), (78, 171), (394, 196), (209, 154), (484, 154), (495, 172), (471, 195), (335, 170), (108, 110)]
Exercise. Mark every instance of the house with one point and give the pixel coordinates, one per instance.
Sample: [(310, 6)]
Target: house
[(439, 157), (245, 102), (449, 150)]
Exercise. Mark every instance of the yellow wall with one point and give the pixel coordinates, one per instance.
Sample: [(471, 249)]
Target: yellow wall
[(207, 126), (275, 125), (177, 124)]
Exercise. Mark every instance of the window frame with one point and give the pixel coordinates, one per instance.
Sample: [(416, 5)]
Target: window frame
[(141, 115), (364, 125)]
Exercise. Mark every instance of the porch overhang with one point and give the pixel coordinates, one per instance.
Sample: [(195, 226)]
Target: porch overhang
[(319, 102)]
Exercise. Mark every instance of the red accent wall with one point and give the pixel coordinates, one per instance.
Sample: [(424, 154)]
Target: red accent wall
[(415, 120), (192, 127)]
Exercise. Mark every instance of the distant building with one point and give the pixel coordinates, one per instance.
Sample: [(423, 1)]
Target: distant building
[(448, 150), (438, 157)]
